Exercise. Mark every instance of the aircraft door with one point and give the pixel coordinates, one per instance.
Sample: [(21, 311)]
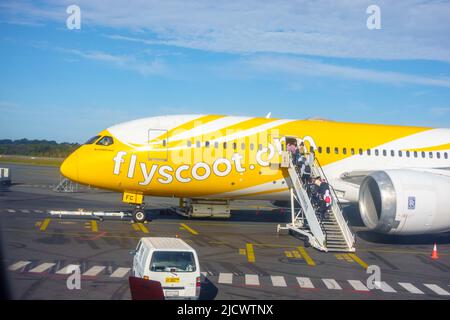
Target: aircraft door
[(158, 144)]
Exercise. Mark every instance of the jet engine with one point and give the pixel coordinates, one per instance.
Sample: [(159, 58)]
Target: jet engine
[(405, 202)]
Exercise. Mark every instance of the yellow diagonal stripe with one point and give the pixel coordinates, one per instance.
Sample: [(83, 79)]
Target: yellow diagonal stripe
[(306, 256), (94, 226), (242, 252), (296, 254), (189, 229), (288, 254), (250, 253), (135, 227), (358, 260), (44, 224), (143, 228)]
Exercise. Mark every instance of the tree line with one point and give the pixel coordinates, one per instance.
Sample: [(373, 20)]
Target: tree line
[(37, 148)]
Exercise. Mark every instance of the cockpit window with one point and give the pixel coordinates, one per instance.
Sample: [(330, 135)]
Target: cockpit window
[(92, 140), (105, 141)]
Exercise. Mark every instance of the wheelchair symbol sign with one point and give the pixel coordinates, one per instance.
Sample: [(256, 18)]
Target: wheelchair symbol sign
[(411, 203)]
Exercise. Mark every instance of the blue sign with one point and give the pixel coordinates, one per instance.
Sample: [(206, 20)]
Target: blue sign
[(411, 203)]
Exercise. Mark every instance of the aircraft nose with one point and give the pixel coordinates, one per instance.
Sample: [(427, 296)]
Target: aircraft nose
[(69, 168)]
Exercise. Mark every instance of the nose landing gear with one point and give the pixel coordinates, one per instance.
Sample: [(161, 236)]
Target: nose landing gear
[(139, 214)]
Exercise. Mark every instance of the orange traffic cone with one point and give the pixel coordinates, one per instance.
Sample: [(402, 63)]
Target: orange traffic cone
[(434, 254)]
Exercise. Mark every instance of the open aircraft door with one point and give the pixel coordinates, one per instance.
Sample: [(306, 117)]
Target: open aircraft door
[(158, 142)]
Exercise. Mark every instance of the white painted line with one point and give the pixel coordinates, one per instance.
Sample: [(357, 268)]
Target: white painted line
[(226, 278), (332, 284), (386, 288), (305, 283), (252, 280), (358, 285), (42, 267), (437, 289), (11, 210), (278, 281), (18, 265), (68, 269), (38, 211), (25, 211), (95, 270), (410, 288), (120, 272)]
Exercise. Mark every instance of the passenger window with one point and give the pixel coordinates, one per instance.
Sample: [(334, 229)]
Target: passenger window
[(344, 150), (234, 145), (353, 151), (252, 146), (384, 153), (189, 143), (328, 149), (400, 153), (207, 144), (392, 153), (415, 154), (377, 152), (408, 154), (164, 142), (431, 155), (224, 145), (368, 152), (360, 151), (423, 154), (260, 147), (320, 149), (92, 140), (197, 144), (446, 155), (438, 155), (242, 146), (216, 145), (105, 141), (336, 150)]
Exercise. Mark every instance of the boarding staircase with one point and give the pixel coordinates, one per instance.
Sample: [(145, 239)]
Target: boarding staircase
[(333, 232)]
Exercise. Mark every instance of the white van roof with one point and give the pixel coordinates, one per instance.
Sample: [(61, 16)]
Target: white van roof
[(165, 243)]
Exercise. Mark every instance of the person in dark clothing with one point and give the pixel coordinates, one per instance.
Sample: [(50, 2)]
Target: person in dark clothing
[(324, 197)]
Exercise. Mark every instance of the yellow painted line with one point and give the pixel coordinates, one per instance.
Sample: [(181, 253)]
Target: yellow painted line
[(38, 223), (306, 256), (143, 228), (136, 227), (250, 253), (189, 229), (44, 224), (358, 260), (94, 226), (296, 254), (242, 252), (288, 254), (339, 256)]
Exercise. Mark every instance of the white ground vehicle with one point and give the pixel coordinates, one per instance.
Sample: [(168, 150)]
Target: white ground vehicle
[(172, 262)]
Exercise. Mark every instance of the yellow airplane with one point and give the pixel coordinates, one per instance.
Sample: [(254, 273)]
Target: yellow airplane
[(399, 175)]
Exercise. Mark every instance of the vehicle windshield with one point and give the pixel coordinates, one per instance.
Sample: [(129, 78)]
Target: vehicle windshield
[(92, 140), (172, 261)]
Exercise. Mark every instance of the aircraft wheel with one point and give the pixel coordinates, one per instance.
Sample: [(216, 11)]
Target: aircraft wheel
[(139, 215)]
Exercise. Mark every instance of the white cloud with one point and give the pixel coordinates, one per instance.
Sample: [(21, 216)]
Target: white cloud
[(126, 62), (411, 29), (299, 66)]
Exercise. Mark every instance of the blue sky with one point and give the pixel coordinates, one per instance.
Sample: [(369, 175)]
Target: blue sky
[(296, 59)]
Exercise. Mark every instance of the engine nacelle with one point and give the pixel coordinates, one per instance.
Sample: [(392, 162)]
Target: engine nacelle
[(405, 202)]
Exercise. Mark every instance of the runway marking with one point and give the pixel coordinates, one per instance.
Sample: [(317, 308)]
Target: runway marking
[(120, 272), (44, 224), (306, 256), (25, 211), (331, 284), (95, 270), (42, 267), (358, 285), (18, 265), (143, 228), (189, 229), (250, 253), (11, 210), (226, 278), (94, 226), (278, 281), (386, 288), (305, 283), (411, 288), (68, 269), (358, 260), (252, 279), (437, 289)]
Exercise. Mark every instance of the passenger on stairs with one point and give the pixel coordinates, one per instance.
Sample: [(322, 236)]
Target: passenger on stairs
[(324, 196)]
